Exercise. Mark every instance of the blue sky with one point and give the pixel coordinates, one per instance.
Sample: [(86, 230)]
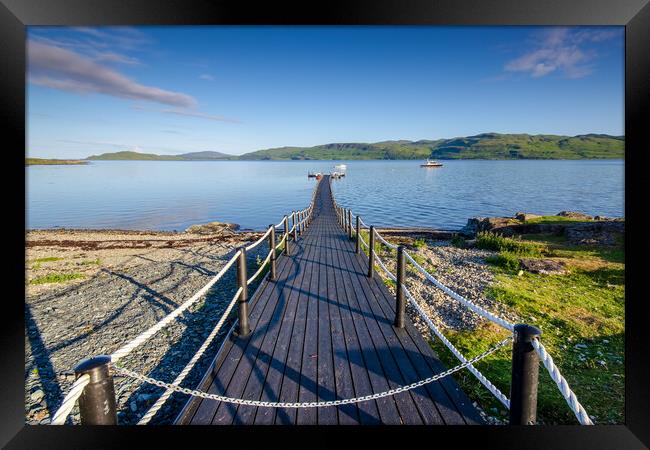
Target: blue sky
[(171, 90)]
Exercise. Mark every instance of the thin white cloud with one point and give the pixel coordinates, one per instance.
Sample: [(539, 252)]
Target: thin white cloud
[(182, 112), (64, 69), (206, 76), (561, 50)]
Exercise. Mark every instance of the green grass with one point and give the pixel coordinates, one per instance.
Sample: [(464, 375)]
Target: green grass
[(554, 220), (585, 307), (56, 278), (47, 259), (505, 260), (491, 241), (419, 243)]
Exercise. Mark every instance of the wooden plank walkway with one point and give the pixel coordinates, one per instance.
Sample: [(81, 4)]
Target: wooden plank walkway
[(324, 331)]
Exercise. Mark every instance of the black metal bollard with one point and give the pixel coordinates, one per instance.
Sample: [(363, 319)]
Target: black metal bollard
[(357, 244), (272, 249), (97, 401), (242, 278), (400, 303), (371, 251), (286, 235), (525, 371)]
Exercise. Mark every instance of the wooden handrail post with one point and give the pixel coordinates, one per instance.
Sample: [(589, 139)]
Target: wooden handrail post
[(242, 279), (286, 235), (295, 227), (350, 223), (400, 303), (97, 401), (371, 251), (272, 248), (357, 244), (525, 371)]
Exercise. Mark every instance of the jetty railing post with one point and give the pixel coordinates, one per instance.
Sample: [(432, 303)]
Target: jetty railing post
[(242, 278), (295, 227), (97, 401), (272, 249), (400, 303), (525, 371), (286, 235), (371, 251), (350, 223), (357, 244)]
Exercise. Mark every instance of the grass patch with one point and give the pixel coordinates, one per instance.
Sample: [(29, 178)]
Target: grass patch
[(47, 259), (419, 243), (551, 220), (505, 260), (581, 315), (458, 241), (56, 278), (491, 241)]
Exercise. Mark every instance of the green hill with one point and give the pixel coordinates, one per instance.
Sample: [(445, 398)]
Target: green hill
[(135, 156), (481, 146)]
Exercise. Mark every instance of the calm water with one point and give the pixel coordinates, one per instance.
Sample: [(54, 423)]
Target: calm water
[(168, 195)]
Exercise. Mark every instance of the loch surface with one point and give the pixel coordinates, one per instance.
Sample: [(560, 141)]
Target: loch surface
[(172, 195)]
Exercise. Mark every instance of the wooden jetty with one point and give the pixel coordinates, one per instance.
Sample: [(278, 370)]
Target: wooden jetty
[(323, 330)]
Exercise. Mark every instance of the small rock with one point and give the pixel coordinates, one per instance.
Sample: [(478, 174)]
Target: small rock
[(525, 216), (605, 341), (37, 396), (520, 273)]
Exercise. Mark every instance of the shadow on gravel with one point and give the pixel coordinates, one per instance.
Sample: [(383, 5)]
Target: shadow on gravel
[(43, 364), (198, 325)]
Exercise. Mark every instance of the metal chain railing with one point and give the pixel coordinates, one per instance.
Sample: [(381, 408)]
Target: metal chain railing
[(261, 403)]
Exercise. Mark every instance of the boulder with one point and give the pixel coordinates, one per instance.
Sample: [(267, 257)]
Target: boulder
[(575, 215), (595, 233), (526, 216), (478, 224), (543, 266), (213, 228)]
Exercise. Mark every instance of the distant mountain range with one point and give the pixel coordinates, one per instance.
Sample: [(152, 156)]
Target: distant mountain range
[(480, 146)]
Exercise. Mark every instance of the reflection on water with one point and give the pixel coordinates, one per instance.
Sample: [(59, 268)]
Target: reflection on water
[(171, 195)]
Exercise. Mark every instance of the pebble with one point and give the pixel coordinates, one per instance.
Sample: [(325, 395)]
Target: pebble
[(37, 396)]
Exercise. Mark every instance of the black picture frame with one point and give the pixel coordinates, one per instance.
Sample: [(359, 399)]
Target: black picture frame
[(15, 15)]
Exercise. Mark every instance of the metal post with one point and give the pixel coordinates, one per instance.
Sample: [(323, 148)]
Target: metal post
[(371, 251), (97, 401), (350, 223), (400, 304), (286, 235), (357, 245), (295, 227), (272, 248), (242, 278), (525, 370)]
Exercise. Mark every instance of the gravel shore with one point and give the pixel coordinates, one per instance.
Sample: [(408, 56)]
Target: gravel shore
[(130, 281)]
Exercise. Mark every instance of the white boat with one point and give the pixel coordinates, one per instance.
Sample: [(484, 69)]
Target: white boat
[(431, 163), (340, 167)]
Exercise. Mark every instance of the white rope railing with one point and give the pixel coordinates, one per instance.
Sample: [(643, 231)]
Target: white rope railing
[(143, 337), (562, 384), (186, 370), (279, 244), (384, 268), (259, 241), (268, 404), (474, 307), (70, 399), (259, 270), (484, 381), (384, 241)]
